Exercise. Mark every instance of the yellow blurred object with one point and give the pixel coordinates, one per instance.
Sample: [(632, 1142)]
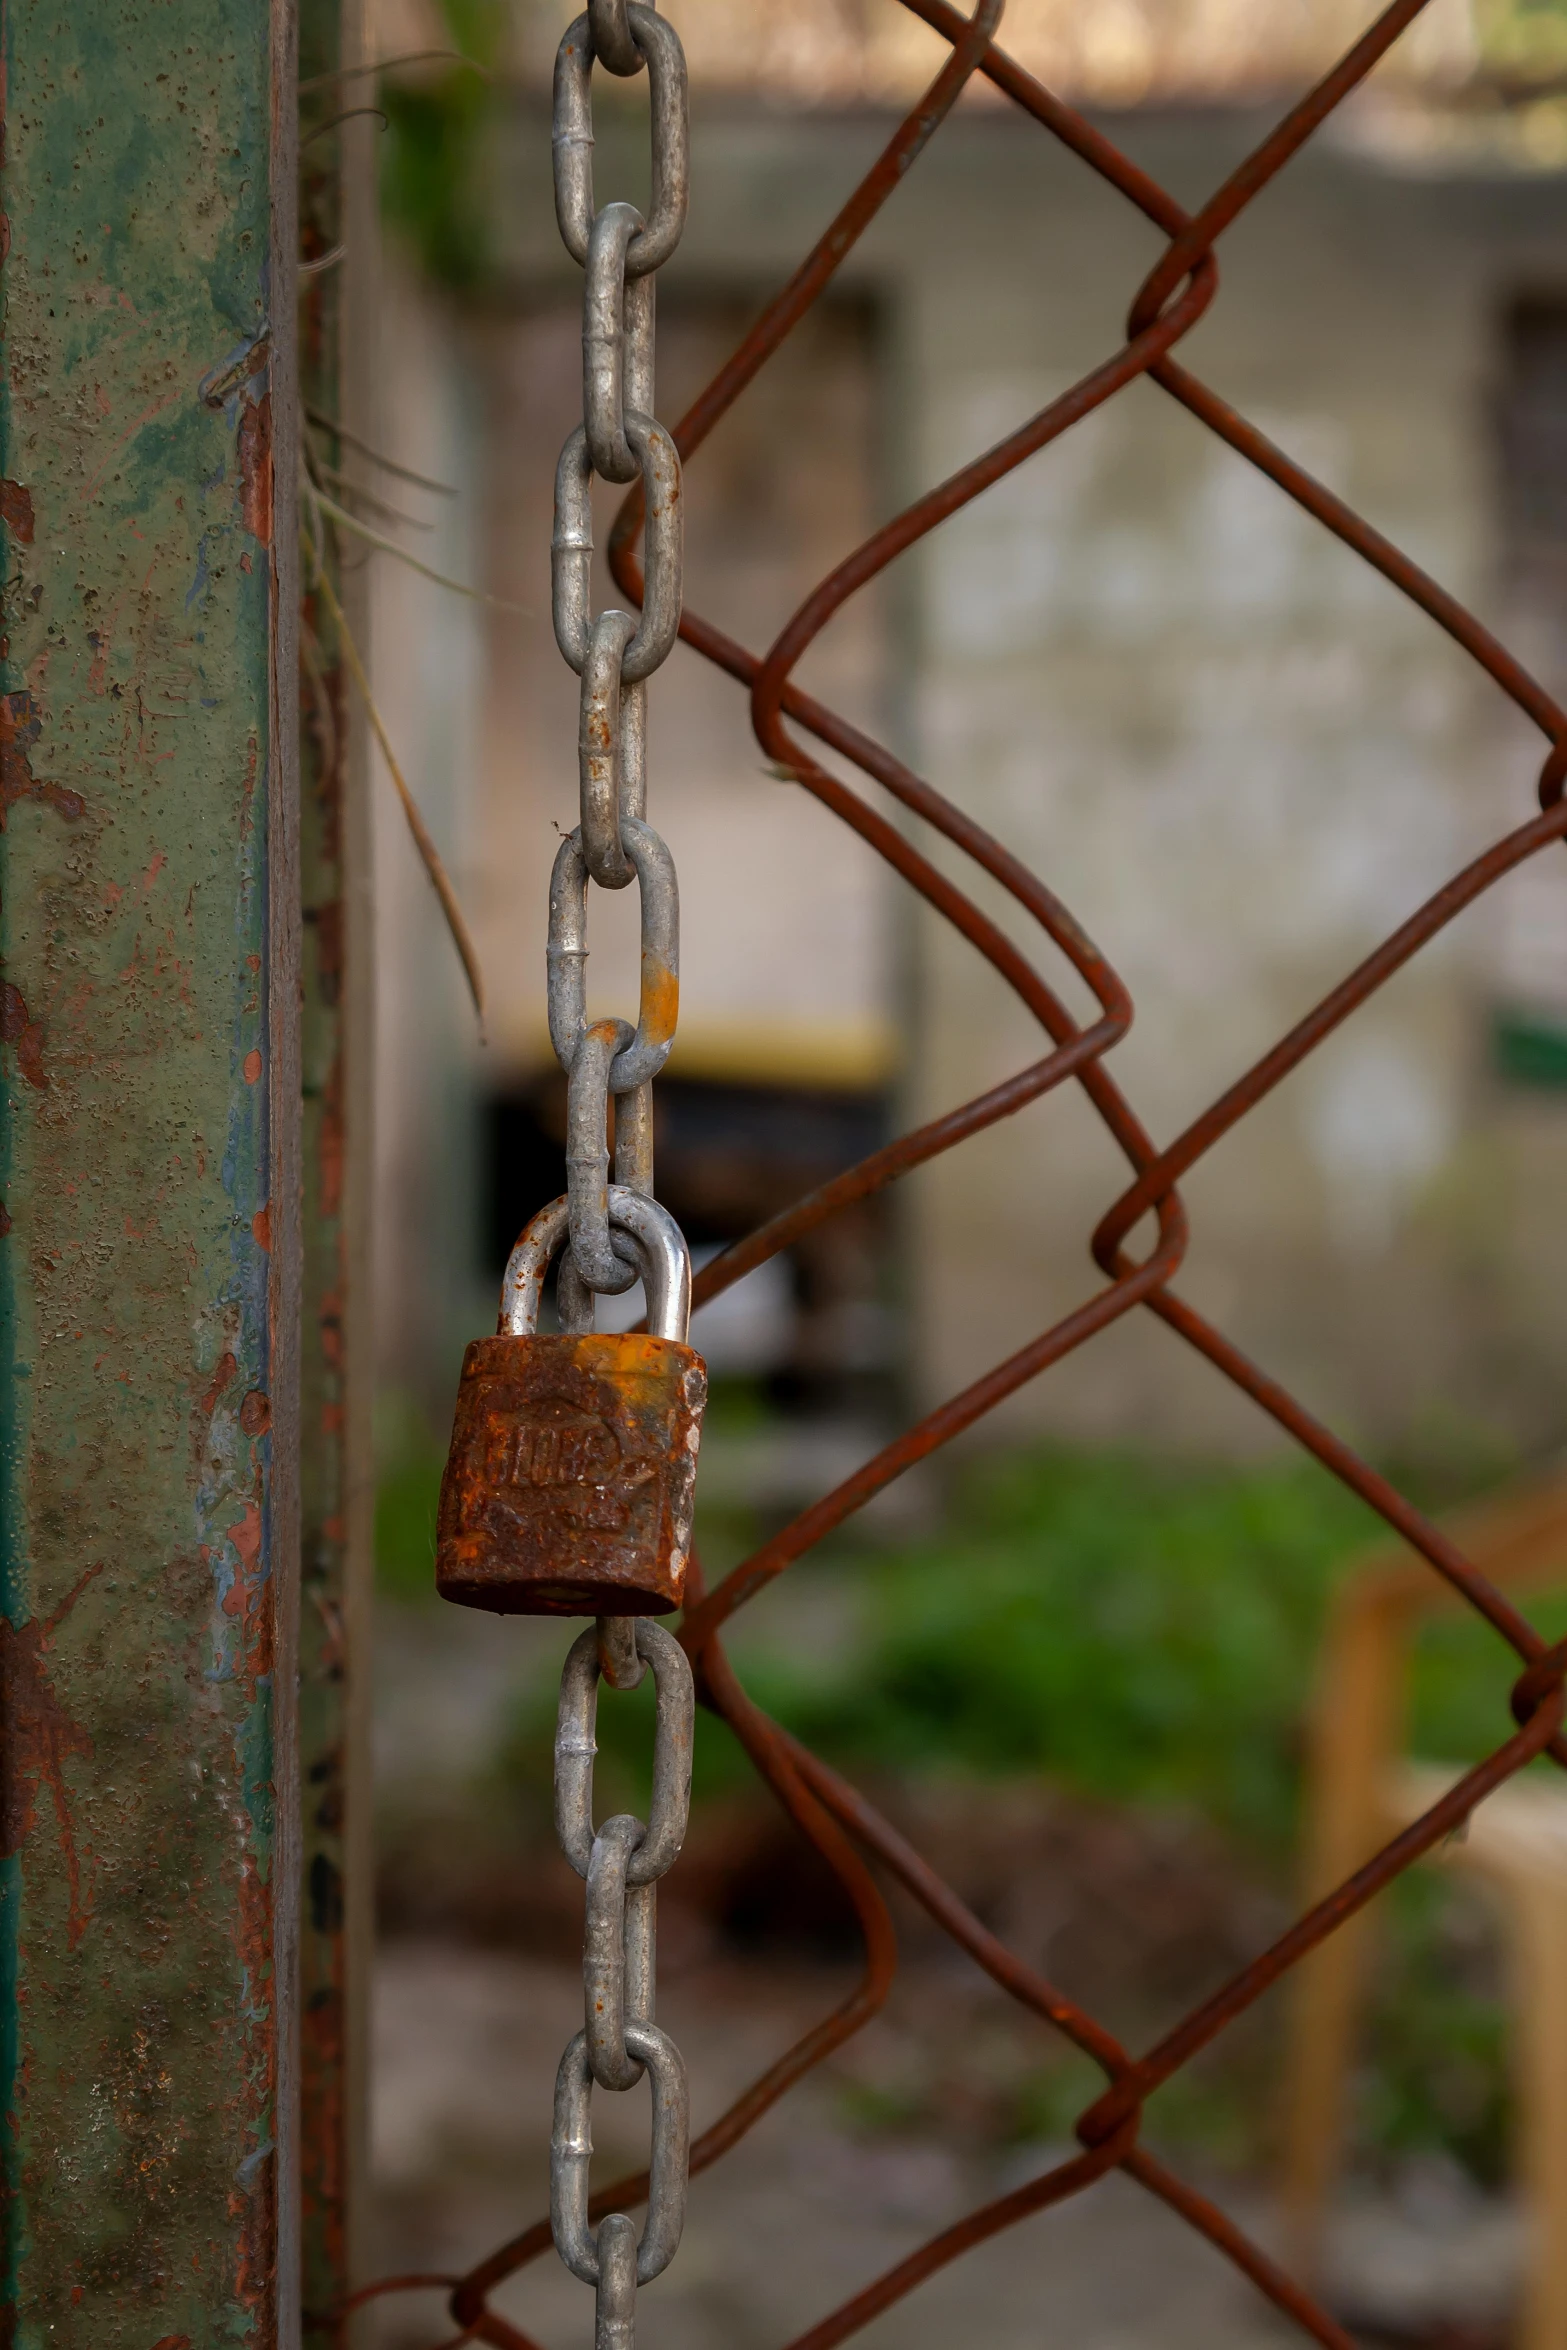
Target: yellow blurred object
[(1362, 1790)]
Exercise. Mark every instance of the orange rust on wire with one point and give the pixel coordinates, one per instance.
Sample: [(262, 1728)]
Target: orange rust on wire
[(845, 1829)]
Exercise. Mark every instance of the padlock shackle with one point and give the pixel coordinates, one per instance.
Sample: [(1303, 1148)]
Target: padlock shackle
[(661, 1246)]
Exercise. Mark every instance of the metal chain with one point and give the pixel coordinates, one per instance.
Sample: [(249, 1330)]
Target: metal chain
[(619, 2041), (615, 653)]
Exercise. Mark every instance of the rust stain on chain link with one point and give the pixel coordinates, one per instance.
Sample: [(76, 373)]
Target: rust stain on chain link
[(843, 1826)]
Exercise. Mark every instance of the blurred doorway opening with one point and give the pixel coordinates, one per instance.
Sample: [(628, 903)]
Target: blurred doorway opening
[(787, 1053)]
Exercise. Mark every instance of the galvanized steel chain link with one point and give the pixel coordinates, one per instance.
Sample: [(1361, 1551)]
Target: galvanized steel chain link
[(619, 2040), (614, 653)]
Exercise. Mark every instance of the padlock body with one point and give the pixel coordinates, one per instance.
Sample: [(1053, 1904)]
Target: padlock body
[(569, 1482)]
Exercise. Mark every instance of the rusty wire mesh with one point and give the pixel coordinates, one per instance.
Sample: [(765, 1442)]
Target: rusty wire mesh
[(845, 1829)]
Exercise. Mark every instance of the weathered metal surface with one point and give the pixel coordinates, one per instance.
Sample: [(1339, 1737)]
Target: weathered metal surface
[(619, 2042), (148, 1167), (572, 1469), (569, 1484), (336, 219)]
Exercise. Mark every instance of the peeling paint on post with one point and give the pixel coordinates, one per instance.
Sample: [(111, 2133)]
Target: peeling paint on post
[(149, 1238)]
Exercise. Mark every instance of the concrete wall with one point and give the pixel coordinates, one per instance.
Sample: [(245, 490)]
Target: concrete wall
[(1241, 759)]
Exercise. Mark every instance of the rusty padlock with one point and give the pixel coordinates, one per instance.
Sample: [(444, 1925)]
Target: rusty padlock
[(569, 1482)]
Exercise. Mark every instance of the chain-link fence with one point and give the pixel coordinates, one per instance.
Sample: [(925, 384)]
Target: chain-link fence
[(854, 1840)]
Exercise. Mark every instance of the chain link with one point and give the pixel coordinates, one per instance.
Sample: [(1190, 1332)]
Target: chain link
[(567, 955), (610, 750), (614, 654), (575, 1749), (619, 2042), (657, 46), (598, 1258)]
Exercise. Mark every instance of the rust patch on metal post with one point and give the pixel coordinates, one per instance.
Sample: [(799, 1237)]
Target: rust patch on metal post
[(225, 1371), (19, 1028), (40, 1739), (21, 724), (254, 451)]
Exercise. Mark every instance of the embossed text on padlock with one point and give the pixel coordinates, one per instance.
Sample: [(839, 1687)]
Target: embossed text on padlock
[(569, 1483)]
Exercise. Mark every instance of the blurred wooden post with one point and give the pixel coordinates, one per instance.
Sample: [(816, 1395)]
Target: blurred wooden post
[(1538, 1900), (1359, 1793), (1356, 1730)]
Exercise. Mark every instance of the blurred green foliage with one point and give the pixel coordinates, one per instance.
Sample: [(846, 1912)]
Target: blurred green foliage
[(1526, 38), (435, 165), (1438, 2073), (406, 1494), (434, 162), (1129, 1628)]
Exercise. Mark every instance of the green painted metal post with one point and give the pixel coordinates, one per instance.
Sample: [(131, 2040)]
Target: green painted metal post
[(149, 1168)]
